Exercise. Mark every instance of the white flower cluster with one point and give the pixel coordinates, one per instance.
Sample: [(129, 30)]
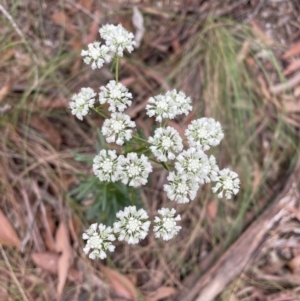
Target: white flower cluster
[(117, 128), (131, 170), (192, 166), (132, 226), (116, 95), (116, 39), (165, 143), (166, 224), (227, 182), (204, 132), (82, 102), (99, 240), (96, 54), (168, 106)]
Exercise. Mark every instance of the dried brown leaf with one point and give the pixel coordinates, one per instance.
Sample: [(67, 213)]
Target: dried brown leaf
[(46, 103), (5, 89), (292, 51), (162, 293), (256, 177), (52, 135), (87, 4), (212, 209), (49, 228), (60, 18), (292, 67), (294, 264), (292, 106), (121, 284), (289, 84), (259, 33), (64, 262), (8, 235), (46, 260), (295, 212)]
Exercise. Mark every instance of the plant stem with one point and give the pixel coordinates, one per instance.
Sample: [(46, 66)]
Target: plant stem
[(100, 113), (117, 69), (132, 196), (139, 138)]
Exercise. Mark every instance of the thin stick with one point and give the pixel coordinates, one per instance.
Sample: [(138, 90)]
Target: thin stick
[(13, 275)]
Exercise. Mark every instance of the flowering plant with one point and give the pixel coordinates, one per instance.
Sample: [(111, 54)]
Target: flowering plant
[(192, 166)]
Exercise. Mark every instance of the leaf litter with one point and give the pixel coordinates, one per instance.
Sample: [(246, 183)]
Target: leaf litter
[(158, 276)]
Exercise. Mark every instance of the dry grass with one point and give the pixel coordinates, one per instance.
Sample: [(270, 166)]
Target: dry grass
[(46, 153)]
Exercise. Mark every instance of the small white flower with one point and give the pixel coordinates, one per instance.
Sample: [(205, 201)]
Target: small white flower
[(117, 38), (165, 143), (82, 102), (228, 183), (133, 225), (134, 170), (116, 95), (98, 240), (96, 54), (167, 227), (117, 128), (204, 132), (161, 107), (105, 166), (194, 162), (182, 102), (181, 187)]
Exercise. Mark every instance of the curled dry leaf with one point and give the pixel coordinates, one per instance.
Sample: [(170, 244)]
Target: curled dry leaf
[(162, 293), (64, 261), (120, 284), (8, 235)]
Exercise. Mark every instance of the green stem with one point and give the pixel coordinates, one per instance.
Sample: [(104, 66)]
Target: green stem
[(100, 113), (117, 69), (132, 196), (139, 138)]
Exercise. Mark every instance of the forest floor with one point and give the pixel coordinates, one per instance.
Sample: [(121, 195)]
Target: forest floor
[(240, 63)]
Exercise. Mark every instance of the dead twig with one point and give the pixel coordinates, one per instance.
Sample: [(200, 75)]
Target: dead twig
[(292, 82), (31, 228)]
